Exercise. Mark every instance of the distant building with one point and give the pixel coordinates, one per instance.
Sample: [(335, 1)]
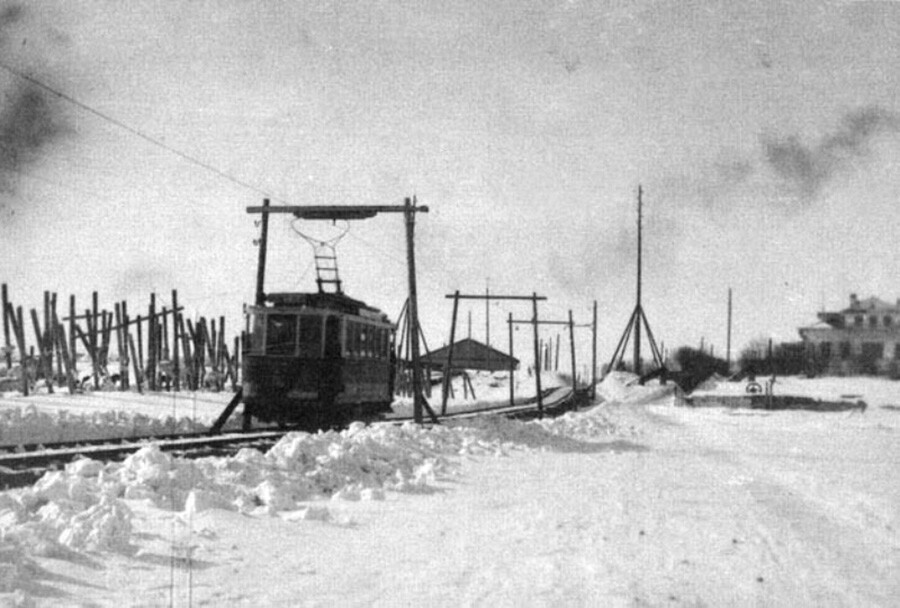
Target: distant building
[(861, 339), (470, 354)]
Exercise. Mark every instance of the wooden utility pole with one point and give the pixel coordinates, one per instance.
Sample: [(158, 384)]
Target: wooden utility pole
[(261, 264), (728, 336), (176, 342), (6, 342), (512, 365), (537, 355), (638, 318), (448, 369), (572, 350), (410, 216), (594, 354)]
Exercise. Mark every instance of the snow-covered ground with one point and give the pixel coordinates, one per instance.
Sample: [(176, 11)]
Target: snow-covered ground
[(631, 502)]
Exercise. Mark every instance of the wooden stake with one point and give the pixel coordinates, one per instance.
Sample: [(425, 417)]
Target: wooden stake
[(45, 364), (572, 348), (176, 346), (512, 364), (73, 350), (6, 341), (136, 363)]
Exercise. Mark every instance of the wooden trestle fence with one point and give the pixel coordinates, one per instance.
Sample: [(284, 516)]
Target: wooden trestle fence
[(161, 350)]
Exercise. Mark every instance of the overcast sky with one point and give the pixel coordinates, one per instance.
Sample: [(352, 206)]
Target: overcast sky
[(766, 136)]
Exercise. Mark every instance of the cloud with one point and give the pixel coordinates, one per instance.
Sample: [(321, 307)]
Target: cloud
[(806, 169)]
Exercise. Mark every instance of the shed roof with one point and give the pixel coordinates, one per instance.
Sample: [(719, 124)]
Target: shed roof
[(468, 352)]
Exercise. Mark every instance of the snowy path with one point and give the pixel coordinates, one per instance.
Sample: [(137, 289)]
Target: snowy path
[(699, 508)]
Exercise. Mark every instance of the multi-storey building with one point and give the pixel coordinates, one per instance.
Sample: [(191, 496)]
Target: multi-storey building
[(861, 339)]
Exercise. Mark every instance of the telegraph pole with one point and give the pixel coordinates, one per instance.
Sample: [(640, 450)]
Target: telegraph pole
[(637, 317), (410, 215), (728, 338)]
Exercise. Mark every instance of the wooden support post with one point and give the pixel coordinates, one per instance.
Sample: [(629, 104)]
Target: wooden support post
[(73, 344), (186, 351), (556, 360), (261, 263), (572, 349), (15, 321), (512, 364), (95, 364), (594, 355), (105, 339), (537, 356), (176, 342), (151, 344), (44, 362), (136, 364), (44, 341), (121, 347), (93, 328), (235, 380), (51, 335), (164, 342), (6, 342), (62, 345), (23, 355), (448, 368)]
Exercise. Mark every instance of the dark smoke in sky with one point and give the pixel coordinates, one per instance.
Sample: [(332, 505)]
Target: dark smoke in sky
[(807, 168), (30, 118)]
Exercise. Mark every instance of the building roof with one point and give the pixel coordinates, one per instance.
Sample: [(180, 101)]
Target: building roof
[(469, 353), (871, 304)]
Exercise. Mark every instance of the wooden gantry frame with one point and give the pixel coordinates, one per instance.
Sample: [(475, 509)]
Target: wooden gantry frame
[(359, 212)]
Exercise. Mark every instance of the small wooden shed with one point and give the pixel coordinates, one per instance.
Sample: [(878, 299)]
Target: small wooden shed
[(470, 354)]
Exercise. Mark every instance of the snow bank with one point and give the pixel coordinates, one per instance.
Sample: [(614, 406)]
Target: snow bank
[(85, 506), (623, 387)]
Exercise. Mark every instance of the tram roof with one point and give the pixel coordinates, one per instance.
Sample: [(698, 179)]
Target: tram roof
[(331, 301)]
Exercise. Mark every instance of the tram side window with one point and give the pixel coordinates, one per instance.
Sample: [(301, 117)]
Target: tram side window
[(281, 334), (382, 343), (352, 339), (256, 325), (363, 341), (310, 336), (376, 342)]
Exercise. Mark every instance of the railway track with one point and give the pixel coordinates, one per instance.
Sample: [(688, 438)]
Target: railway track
[(25, 464)]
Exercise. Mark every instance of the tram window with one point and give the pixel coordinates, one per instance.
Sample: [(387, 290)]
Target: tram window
[(363, 341), (281, 334), (256, 325), (310, 336), (352, 339), (332, 337), (376, 342)]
